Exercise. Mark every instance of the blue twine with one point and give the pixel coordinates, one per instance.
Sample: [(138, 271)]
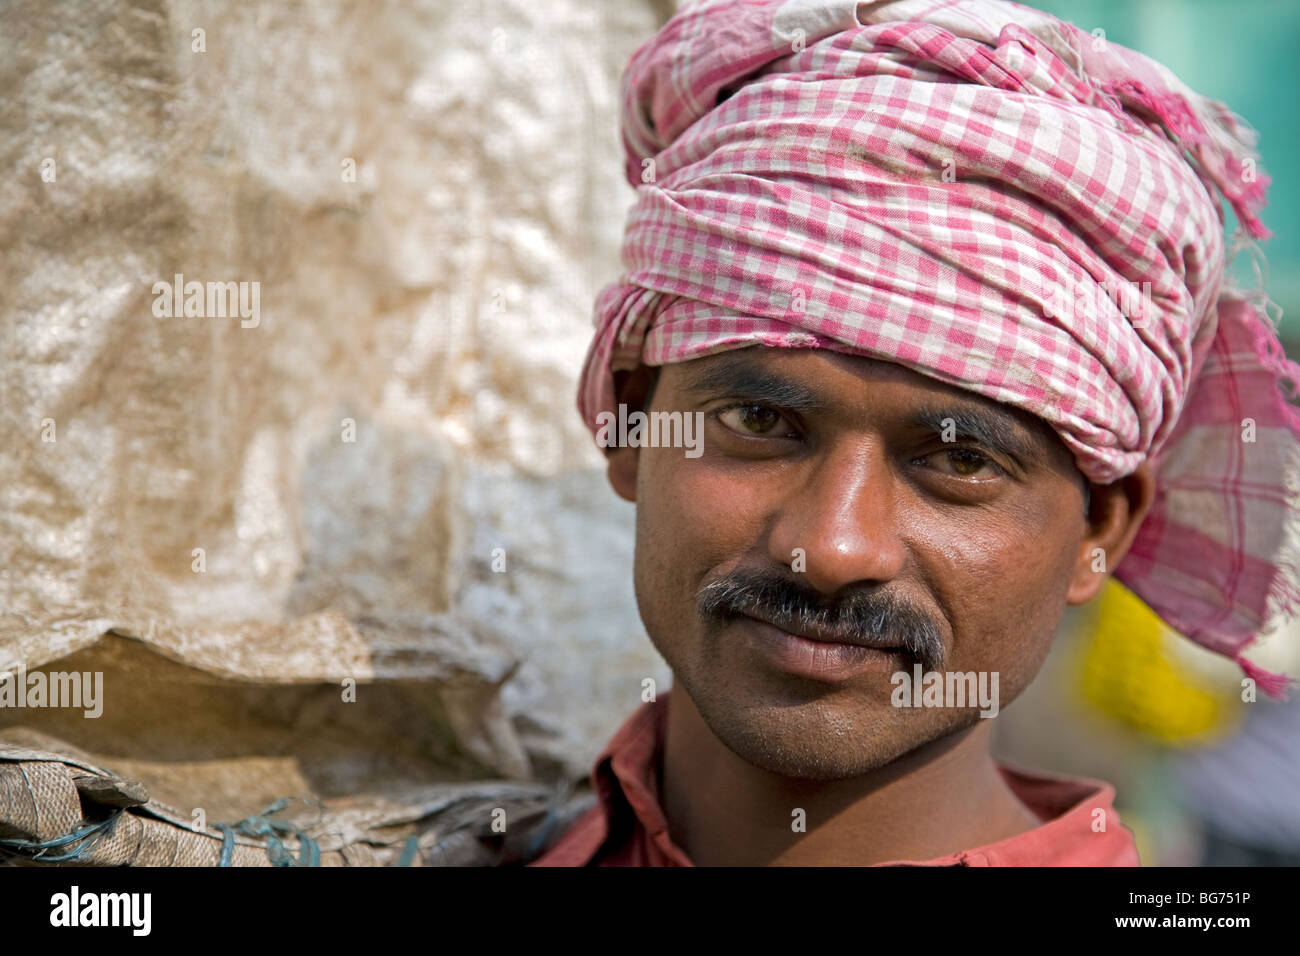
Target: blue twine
[(227, 843), (256, 826), (542, 834), (260, 826), (88, 836), (408, 851)]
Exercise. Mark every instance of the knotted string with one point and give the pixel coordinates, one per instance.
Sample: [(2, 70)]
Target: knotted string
[(87, 837), (260, 826)]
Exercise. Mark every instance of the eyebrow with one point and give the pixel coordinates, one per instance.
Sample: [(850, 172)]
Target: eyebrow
[(746, 379), (997, 430)]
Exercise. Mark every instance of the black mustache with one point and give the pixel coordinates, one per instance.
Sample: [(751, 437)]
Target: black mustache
[(793, 607)]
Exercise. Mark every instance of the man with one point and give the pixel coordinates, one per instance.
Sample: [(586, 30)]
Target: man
[(943, 284)]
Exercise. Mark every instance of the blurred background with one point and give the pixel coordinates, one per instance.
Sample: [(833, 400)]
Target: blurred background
[(1241, 53), (1202, 777), (384, 479)]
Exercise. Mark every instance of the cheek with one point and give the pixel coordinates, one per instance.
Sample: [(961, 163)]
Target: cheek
[(694, 520), (1003, 582)]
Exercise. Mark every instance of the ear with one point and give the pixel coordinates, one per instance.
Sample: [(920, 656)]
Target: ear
[(1115, 513), (634, 389), (621, 469)]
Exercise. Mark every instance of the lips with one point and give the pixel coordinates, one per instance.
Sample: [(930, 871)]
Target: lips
[(825, 637), (821, 659)]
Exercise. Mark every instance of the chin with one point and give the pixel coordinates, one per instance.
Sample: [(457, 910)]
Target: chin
[(820, 742)]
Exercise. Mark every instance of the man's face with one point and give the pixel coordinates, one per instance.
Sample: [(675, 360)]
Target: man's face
[(826, 491)]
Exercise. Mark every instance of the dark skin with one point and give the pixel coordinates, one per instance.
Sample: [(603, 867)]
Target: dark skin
[(988, 536)]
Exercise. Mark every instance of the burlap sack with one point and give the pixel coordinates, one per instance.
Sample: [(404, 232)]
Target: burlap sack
[(229, 520), (58, 808)]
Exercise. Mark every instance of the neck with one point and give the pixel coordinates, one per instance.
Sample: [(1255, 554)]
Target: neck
[(941, 798)]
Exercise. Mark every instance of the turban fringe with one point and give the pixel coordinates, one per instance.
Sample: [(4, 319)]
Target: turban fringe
[(926, 183)]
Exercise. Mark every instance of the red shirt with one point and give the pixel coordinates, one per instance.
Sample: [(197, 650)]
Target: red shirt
[(627, 826)]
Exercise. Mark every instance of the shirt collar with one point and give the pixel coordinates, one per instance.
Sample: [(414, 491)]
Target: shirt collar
[(1080, 824)]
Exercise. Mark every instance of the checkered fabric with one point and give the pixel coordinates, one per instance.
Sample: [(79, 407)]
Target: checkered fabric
[(982, 193)]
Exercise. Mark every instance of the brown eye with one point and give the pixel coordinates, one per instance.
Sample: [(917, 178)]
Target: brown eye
[(965, 462), (750, 419)]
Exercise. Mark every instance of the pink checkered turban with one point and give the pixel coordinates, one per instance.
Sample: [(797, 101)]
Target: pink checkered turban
[(789, 161)]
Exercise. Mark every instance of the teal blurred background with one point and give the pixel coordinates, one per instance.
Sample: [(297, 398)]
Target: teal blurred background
[(1245, 53)]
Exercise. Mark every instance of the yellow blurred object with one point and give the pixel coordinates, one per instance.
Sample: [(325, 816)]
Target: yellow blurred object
[(1136, 670)]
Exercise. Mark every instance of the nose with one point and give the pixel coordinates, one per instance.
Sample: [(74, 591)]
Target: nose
[(844, 519)]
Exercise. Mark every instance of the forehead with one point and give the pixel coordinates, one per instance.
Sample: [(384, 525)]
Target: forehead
[(821, 381)]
